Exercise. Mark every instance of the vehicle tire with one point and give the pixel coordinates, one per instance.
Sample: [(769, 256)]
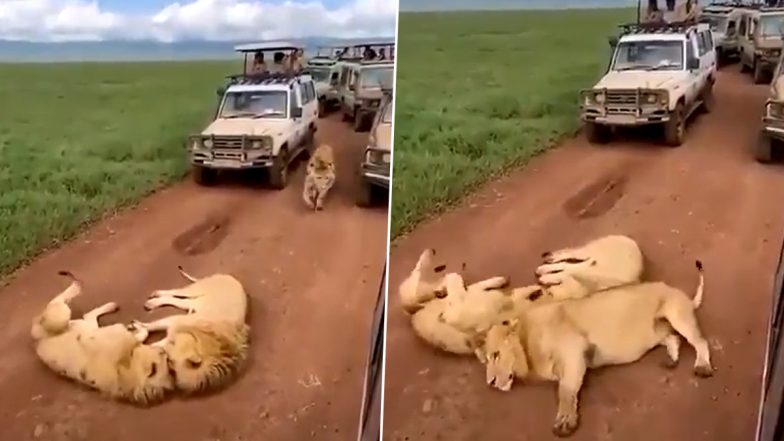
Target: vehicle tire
[(359, 121), (708, 99), (675, 128), (203, 175), (743, 66), (763, 149), (597, 133), (279, 172), (309, 143), (322, 108), (364, 196), (346, 115), (759, 73)]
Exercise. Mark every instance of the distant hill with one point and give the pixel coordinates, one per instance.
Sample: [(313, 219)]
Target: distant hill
[(22, 51)]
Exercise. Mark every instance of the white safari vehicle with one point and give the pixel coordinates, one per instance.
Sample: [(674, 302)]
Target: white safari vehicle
[(723, 19), (324, 67), (658, 74), (374, 171), (263, 121), (772, 133)]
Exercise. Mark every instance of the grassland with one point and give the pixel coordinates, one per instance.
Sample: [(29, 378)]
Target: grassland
[(479, 92), (80, 140)]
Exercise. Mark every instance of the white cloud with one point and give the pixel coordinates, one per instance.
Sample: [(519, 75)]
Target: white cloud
[(71, 20)]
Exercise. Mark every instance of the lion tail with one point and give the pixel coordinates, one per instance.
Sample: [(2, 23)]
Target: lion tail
[(186, 275)]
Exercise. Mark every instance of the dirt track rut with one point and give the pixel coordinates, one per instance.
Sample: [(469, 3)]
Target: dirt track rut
[(312, 278), (706, 200)]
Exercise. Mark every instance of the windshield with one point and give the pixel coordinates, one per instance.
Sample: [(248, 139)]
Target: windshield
[(649, 55), (319, 75), (255, 104), (376, 77), (716, 23), (771, 25)]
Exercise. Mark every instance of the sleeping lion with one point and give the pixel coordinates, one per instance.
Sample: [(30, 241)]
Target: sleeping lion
[(111, 359)]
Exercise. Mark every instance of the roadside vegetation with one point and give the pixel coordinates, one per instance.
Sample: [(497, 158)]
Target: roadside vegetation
[(480, 92), (78, 141)]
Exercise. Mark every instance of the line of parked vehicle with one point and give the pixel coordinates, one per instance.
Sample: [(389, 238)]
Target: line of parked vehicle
[(266, 120), (662, 73)]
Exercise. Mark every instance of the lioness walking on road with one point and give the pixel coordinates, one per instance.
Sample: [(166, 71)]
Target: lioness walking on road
[(320, 177)]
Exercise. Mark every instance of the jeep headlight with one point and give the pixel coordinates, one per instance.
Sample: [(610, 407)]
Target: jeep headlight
[(260, 144), (659, 98), (591, 98), (775, 110), (207, 143), (377, 157), (195, 143)]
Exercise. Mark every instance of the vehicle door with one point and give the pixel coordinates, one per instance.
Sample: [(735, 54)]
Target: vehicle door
[(694, 76), (353, 83), (708, 56), (295, 103), (309, 105), (744, 45)]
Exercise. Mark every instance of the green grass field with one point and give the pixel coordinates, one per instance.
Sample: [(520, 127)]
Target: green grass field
[(80, 140), (479, 92)]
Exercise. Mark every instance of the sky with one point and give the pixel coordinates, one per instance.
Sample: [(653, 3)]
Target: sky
[(429, 5), (187, 20)]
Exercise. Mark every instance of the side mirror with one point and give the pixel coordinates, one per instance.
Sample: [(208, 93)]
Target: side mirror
[(221, 90), (297, 112), (613, 40), (693, 64)]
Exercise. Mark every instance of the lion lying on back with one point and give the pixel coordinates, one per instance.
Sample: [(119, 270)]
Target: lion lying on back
[(111, 359), (206, 346), (449, 319)]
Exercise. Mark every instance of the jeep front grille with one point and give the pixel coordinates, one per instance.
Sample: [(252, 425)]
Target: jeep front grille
[(625, 98), (227, 142)]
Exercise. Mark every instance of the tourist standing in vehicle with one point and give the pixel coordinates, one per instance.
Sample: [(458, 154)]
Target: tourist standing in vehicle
[(258, 66)]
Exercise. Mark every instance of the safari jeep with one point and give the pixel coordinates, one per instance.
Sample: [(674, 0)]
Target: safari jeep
[(772, 134), (760, 42), (360, 90), (374, 172), (658, 74), (723, 19), (325, 70), (262, 122)]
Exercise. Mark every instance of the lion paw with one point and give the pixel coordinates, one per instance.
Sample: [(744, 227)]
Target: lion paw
[(565, 425)]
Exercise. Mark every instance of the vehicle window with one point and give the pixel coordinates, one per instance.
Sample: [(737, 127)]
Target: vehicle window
[(753, 27), (649, 55), (303, 93), (709, 39), (311, 91), (335, 78), (690, 48), (344, 77), (376, 77), (742, 26), (702, 44), (293, 101), (254, 104), (771, 25)]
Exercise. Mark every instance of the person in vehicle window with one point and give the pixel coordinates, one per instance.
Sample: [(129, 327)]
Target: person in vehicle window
[(688, 11), (382, 54), (653, 15), (296, 60), (369, 53), (278, 63), (258, 66)]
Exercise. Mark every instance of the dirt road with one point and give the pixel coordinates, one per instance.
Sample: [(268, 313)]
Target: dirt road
[(312, 278), (708, 199)]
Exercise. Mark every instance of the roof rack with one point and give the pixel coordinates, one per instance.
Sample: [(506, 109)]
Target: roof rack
[(657, 28), (265, 78)]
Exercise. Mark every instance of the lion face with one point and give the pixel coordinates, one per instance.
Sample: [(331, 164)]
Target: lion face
[(504, 357), (204, 359), (149, 375)]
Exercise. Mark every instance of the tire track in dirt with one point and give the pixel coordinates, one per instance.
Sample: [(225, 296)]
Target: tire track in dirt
[(312, 279), (708, 199)]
